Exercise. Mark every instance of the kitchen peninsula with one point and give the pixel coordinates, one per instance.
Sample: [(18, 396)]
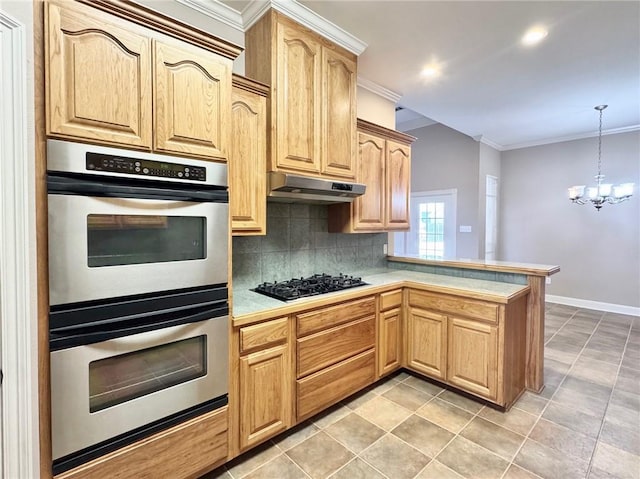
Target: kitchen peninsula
[(479, 336), (521, 273)]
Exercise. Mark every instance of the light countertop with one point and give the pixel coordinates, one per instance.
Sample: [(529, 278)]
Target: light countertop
[(247, 303)]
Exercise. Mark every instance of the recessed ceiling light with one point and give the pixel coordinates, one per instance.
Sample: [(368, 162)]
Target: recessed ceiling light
[(534, 36), (431, 71)]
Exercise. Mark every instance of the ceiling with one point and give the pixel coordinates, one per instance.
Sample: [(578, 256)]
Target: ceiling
[(491, 87)]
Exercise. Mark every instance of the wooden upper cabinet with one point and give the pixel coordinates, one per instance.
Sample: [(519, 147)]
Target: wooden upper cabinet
[(398, 182), (339, 120), (248, 158), (369, 209), (297, 101), (192, 90), (112, 81), (98, 78), (383, 163), (313, 97)]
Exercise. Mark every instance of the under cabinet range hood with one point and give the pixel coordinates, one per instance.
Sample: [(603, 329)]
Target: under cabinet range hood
[(290, 188)]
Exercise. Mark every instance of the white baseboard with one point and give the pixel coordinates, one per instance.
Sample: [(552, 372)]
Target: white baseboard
[(597, 305)]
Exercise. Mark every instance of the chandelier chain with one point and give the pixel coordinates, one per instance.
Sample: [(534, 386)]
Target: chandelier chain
[(600, 145)]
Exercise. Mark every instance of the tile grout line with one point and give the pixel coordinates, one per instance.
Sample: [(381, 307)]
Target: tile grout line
[(455, 435), (595, 449), (554, 393)]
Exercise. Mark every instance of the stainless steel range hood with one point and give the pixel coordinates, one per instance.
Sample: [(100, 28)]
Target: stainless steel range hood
[(290, 188)]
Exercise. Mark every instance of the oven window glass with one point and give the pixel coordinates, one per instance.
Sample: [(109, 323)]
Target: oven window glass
[(136, 239), (118, 379)]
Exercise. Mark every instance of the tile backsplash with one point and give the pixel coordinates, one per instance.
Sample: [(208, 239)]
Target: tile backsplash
[(298, 244)]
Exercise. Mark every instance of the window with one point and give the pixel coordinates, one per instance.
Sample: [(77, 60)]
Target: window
[(431, 229), (432, 232)]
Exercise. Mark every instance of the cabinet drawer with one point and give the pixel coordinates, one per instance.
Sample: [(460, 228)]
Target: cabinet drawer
[(324, 318), (450, 304), (187, 450), (262, 335), (390, 299), (329, 347), (328, 386)]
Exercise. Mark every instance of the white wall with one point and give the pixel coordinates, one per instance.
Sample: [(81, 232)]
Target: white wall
[(376, 109), (598, 251), (443, 158)]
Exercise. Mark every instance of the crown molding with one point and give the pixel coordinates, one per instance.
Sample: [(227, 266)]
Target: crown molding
[(378, 90), (242, 21), (414, 124), (216, 10), (252, 13), (488, 142), (580, 136), (320, 25)]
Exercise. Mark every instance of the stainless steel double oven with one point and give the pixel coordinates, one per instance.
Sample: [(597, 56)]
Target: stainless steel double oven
[(138, 255)]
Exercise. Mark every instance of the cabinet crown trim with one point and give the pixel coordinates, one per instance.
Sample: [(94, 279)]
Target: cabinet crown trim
[(250, 85), (130, 11), (368, 127)]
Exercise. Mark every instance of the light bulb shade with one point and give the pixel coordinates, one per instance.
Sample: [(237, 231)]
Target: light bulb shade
[(576, 192), (592, 192), (604, 189), (623, 191)]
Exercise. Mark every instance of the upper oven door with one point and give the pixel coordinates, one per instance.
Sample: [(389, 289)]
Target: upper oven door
[(103, 247)]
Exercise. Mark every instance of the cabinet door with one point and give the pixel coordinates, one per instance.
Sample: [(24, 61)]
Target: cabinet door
[(427, 342), (339, 114), (398, 179), (473, 356), (98, 78), (265, 394), (368, 210), (192, 91), (298, 90), (248, 164), (389, 348)]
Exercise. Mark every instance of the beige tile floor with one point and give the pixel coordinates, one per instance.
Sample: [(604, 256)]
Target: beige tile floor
[(584, 424)]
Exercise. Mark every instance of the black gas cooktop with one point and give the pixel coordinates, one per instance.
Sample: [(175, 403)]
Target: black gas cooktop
[(313, 285)]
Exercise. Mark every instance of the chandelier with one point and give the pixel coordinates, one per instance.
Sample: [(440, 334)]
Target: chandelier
[(603, 192)]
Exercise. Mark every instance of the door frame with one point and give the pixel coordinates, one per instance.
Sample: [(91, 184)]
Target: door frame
[(18, 292), (400, 240)]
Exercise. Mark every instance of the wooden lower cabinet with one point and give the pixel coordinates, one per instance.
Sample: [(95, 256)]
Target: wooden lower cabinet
[(265, 381), (427, 342), (335, 353), (389, 343), (390, 332), (477, 346), (189, 449), (264, 395), (472, 356), (328, 386)]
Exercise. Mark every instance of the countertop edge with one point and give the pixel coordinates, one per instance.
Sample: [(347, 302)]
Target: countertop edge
[(518, 268)]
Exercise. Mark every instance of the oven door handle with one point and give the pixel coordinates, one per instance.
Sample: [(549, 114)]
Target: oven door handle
[(124, 188), (104, 330)]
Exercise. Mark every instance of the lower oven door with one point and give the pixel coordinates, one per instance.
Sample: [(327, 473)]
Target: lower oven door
[(105, 389)]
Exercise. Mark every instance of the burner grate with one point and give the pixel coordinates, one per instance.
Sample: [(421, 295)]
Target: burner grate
[(304, 287)]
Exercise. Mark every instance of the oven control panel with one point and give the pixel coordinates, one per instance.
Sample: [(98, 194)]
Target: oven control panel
[(139, 167)]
